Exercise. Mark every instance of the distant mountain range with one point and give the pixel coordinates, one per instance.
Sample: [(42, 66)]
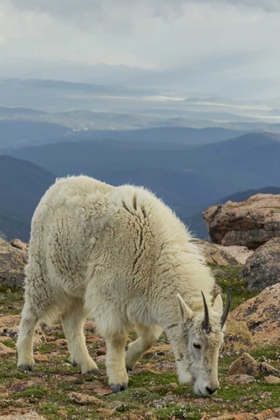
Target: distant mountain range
[(22, 184), (16, 132), (188, 178), (121, 106), (160, 135), (20, 133), (189, 168), (189, 148)]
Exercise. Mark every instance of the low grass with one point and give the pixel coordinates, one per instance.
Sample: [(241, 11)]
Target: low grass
[(151, 394)]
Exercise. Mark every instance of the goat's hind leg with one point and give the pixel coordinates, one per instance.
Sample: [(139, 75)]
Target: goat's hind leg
[(147, 336), (36, 306), (73, 319), (25, 338)]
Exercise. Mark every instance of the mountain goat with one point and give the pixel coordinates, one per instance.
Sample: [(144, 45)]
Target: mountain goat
[(121, 256)]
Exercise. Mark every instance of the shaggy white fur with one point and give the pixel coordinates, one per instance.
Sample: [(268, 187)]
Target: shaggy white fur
[(121, 256)]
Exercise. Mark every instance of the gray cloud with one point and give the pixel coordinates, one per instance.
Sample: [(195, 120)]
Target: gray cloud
[(211, 42), (162, 8), (95, 10)]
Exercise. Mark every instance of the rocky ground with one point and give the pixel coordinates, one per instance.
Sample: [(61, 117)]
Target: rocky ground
[(249, 383)]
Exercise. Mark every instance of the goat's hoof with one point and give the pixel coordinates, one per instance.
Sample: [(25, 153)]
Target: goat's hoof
[(128, 369), (94, 372), (126, 347), (25, 368), (74, 363), (118, 387)]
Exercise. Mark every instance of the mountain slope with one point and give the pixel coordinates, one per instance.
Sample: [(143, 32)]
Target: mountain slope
[(187, 178), (14, 133), (22, 184), (183, 135)]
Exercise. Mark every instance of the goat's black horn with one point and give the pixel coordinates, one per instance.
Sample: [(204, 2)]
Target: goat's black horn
[(226, 310), (205, 323)]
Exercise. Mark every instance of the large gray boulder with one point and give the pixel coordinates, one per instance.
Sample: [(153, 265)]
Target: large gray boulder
[(13, 258), (250, 223), (262, 269)]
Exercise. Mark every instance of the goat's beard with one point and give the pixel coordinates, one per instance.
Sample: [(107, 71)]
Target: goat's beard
[(184, 376)]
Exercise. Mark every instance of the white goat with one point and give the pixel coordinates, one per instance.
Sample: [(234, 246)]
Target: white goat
[(121, 256)]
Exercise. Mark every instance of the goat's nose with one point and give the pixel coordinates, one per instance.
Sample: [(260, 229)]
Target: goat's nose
[(211, 390)]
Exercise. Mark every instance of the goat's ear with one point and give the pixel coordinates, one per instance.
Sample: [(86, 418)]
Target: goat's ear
[(218, 305), (184, 311)]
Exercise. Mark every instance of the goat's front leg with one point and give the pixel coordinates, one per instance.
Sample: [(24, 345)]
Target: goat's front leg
[(115, 362)]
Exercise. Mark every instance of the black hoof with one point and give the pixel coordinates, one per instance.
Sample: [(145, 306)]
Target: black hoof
[(74, 363), (25, 368), (128, 369), (94, 372), (126, 347), (118, 387)]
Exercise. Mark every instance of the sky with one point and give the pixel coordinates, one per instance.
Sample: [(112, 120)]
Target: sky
[(212, 42)]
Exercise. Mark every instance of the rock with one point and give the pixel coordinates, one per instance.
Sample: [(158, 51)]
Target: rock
[(240, 253), (3, 339), (61, 342), (69, 378), (263, 415), (101, 351), (12, 264), (101, 359), (241, 379), (9, 321), (6, 349), (157, 350), (164, 366), (262, 269), (268, 370), (277, 412), (17, 243), (216, 254), (261, 315), (272, 379), (240, 416), (41, 357), (18, 386), (96, 388), (250, 223), (32, 415), (84, 399), (105, 412), (238, 338), (217, 290), (245, 364)]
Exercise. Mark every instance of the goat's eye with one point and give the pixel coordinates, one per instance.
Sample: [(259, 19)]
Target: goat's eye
[(197, 346)]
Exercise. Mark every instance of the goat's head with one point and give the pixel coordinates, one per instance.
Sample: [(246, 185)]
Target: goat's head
[(196, 347)]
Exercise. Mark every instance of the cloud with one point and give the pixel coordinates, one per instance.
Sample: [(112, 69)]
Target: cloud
[(157, 8), (87, 14), (210, 42)]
